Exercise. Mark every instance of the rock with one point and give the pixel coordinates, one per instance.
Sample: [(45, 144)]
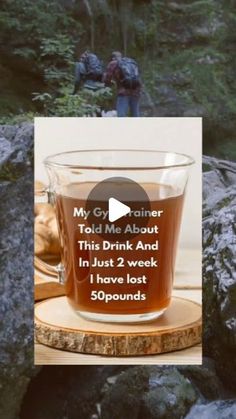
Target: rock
[(146, 103), (219, 266), (149, 392), (166, 94), (18, 150), (112, 380), (167, 101), (16, 255), (215, 410), (5, 150), (202, 32), (167, 98), (224, 174), (207, 59), (204, 378), (175, 6), (170, 395), (8, 131), (194, 111), (109, 114), (72, 392)]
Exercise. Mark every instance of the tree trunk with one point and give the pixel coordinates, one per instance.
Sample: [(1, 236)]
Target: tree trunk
[(123, 24), (92, 23)]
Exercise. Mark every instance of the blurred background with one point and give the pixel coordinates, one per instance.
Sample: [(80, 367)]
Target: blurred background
[(185, 51)]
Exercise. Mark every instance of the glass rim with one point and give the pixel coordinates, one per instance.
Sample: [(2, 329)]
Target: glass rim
[(49, 163)]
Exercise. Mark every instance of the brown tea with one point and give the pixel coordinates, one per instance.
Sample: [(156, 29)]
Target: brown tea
[(131, 276)]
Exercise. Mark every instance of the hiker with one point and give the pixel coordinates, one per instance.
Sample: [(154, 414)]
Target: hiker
[(125, 73), (88, 72)]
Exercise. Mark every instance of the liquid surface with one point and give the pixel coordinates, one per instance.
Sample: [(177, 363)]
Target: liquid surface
[(158, 287)]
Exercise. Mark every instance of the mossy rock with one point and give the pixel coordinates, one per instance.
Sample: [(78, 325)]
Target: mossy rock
[(149, 392)]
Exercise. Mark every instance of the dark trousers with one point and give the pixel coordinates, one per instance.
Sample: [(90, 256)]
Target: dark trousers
[(80, 73)]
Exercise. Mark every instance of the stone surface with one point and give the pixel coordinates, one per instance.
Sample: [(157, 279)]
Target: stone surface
[(204, 379), (16, 262), (215, 410), (5, 150), (149, 392), (17, 146), (68, 392), (219, 266)]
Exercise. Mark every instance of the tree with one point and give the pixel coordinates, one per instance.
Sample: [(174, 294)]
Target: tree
[(89, 9)]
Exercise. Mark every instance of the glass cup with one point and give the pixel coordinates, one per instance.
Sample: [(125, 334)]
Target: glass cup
[(127, 278)]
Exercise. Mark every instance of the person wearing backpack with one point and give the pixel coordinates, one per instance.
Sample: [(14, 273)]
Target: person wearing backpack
[(88, 72), (124, 72)]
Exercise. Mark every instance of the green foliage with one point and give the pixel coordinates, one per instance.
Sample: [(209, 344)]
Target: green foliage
[(59, 47), (86, 103), (185, 49), (25, 23), (12, 119), (57, 58), (76, 105)]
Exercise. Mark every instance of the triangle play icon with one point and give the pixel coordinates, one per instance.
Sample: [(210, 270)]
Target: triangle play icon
[(117, 209)]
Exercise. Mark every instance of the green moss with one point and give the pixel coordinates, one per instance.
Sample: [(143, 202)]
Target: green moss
[(224, 202), (8, 173)]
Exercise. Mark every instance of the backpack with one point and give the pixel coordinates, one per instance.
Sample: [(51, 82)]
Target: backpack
[(93, 67), (130, 77)]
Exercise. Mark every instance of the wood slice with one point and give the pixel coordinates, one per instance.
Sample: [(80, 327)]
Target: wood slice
[(57, 325)]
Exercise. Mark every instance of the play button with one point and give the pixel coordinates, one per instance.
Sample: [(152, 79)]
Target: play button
[(117, 210)]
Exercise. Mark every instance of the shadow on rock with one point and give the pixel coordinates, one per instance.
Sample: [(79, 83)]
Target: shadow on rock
[(16, 262), (219, 266)]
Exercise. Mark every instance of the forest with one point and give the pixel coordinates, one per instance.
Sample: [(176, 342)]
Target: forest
[(185, 51)]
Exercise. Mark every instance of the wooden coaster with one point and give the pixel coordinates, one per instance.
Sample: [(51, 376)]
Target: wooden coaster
[(57, 325)]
